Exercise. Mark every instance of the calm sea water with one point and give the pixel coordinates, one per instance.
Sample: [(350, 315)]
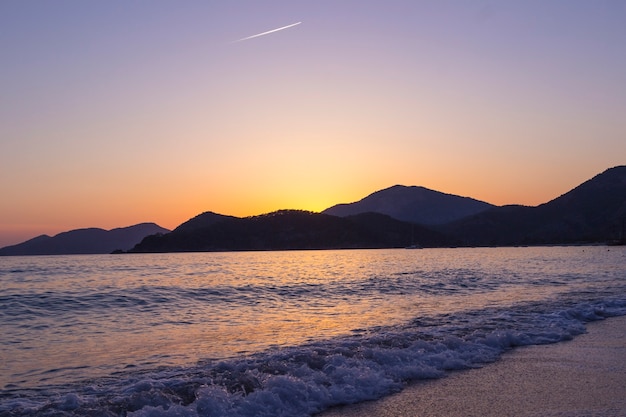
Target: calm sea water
[(279, 333)]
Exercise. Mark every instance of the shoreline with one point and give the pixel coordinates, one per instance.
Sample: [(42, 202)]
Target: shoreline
[(585, 376)]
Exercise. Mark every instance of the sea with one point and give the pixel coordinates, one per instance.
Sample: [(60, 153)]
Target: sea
[(287, 333)]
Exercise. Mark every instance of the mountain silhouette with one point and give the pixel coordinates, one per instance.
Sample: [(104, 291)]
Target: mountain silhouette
[(288, 230), (413, 204), (399, 216), (593, 212), (85, 241), (206, 219)]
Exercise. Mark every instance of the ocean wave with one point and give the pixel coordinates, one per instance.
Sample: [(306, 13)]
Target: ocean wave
[(306, 379)]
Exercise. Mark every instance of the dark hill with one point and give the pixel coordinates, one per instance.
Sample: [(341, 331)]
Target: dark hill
[(201, 221), (85, 241), (590, 213), (413, 204), (290, 229)]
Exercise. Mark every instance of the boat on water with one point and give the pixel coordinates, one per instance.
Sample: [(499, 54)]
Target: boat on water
[(413, 246), (621, 240)]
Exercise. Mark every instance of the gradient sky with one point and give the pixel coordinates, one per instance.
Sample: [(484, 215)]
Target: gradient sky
[(114, 113)]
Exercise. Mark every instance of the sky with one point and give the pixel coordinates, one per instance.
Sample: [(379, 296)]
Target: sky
[(114, 113)]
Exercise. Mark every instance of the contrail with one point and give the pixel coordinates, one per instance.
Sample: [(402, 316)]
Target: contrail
[(268, 32)]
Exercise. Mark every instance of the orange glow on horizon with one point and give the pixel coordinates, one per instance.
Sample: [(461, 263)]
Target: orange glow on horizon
[(442, 95), (169, 210)]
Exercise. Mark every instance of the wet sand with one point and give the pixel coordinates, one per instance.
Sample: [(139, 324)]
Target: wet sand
[(582, 377)]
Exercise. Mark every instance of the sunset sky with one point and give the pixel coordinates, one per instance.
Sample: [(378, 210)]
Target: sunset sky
[(114, 113)]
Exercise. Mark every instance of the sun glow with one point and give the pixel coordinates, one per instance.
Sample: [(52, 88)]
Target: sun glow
[(110, 119)]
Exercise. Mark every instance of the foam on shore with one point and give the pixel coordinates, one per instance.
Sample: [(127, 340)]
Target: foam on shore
[(582, 377)]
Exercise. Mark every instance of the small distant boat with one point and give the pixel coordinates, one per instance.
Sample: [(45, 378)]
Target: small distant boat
[(621, 240), (616, 242), (413, 245)]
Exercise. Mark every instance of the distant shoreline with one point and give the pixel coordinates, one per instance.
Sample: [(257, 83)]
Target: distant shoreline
[(129, 252), (547, 245)]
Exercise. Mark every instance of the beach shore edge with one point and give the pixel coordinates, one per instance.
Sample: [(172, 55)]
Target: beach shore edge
[(582, 377)]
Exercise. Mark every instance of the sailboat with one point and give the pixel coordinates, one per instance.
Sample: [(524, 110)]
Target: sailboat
[(621, 241), (413, 245)]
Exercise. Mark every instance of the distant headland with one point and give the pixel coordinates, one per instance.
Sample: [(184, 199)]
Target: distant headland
[(395, 217)]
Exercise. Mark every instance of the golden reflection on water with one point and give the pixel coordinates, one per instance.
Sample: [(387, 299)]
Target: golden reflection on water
[(206, 306)]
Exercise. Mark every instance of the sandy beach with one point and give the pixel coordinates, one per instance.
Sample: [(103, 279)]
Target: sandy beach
[(582, 377)]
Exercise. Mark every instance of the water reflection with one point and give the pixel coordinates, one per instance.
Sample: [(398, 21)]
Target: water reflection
[(92, 315)]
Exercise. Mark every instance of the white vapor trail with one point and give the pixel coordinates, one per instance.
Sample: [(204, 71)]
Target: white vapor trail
[(268, 32)]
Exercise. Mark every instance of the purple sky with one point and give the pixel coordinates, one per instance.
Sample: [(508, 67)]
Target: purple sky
[(120, 112)]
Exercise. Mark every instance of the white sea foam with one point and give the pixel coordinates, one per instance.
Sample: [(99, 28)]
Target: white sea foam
[(469, 318), (303, 380)]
